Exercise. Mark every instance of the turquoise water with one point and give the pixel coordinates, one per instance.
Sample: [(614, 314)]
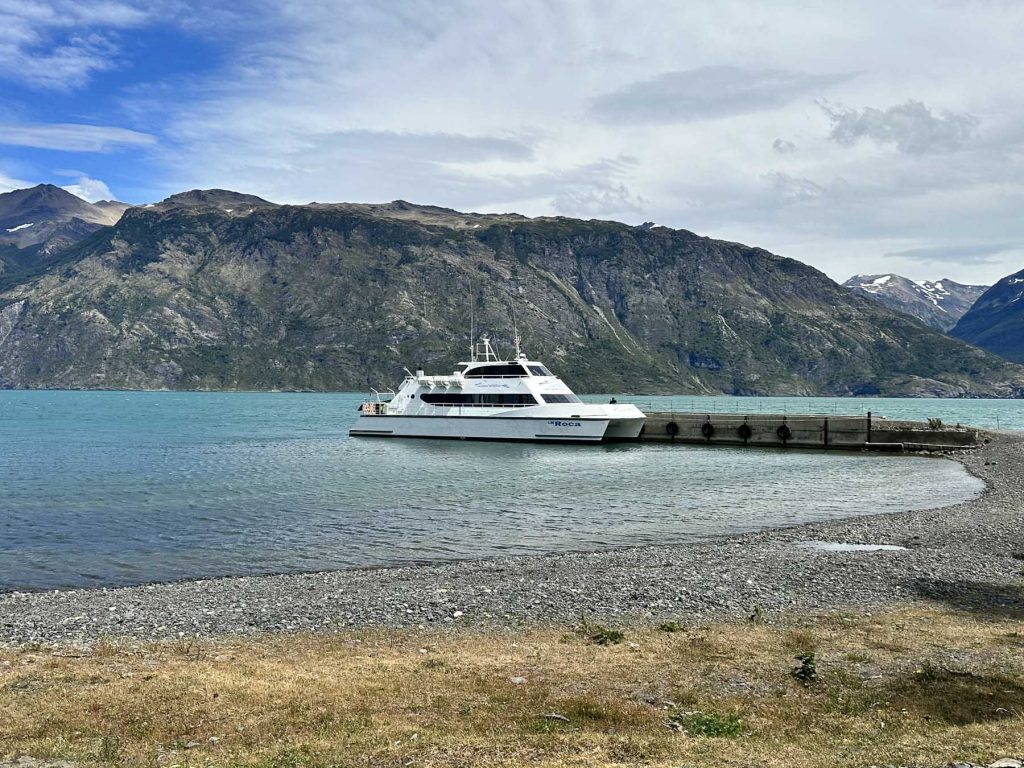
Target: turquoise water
[(110, 488)]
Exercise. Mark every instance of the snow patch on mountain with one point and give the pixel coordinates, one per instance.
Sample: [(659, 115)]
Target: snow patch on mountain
[(939, 304), (870, 283)]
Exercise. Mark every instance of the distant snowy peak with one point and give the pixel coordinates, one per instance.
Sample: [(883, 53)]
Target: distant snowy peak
[(869, 283), (1007, 291), (939, 304), (938, 292), (996, 321), (49, 218)]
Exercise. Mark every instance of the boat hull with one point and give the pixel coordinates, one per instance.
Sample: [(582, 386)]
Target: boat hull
[(624, 429), (503, 428)]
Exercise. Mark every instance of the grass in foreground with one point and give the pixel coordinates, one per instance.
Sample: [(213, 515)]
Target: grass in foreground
[(905, 687)]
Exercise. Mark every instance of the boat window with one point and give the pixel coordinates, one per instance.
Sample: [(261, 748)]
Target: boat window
[(561, 399), (509, 399), (491, 371), (447, 398), (540, 370), (459, 398)]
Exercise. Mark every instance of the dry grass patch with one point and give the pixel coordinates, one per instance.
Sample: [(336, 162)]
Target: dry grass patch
[(906, 687)]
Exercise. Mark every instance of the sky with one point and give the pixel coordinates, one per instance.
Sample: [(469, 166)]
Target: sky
[(867, 137)]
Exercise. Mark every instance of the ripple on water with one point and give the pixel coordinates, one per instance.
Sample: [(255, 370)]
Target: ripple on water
[(121, 489)]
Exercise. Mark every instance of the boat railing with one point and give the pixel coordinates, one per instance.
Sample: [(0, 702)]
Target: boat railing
[(378, 406), (389, 393)]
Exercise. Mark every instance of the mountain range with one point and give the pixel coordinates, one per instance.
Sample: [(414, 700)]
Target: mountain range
[(996, 321), (213, 289), (939, 304), (39, 222)]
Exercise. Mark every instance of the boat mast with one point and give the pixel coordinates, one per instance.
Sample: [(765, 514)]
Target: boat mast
[(515, 334), (515, 330), (472, 324)]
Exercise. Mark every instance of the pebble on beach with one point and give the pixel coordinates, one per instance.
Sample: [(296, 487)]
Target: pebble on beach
[(730, 577)]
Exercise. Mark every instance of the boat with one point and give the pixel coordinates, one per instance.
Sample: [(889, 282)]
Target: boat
[(494, 399)]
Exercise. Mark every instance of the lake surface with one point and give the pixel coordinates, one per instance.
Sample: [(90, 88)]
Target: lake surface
[(114, 488)]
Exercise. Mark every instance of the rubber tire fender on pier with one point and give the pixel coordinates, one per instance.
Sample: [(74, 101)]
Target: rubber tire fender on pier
[(671, 429), (784, 432), (707, 429), (744, 431)]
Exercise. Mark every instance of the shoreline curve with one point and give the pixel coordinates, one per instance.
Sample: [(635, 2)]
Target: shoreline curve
[(968, 556)]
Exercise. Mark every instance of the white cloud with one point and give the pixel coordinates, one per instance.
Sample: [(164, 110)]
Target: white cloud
[(911, 127), (61, 44), (89, 189), (706, 93), (8, 184), (519, 106), (424, 147), (958, 253), (791, 188), (72, 137), (598, 201)]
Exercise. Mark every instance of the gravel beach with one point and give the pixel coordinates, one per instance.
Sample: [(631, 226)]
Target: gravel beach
[(968, 556)]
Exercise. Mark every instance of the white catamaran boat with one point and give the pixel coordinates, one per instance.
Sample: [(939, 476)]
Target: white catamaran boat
[(493, 399)]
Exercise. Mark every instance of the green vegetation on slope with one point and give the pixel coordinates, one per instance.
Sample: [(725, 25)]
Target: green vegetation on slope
[(343, 297)]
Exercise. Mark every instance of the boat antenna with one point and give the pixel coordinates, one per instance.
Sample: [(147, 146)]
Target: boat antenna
[(515, 329), (472, 324)]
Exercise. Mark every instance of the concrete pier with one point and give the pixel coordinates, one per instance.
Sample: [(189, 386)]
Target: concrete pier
[(852, 433)]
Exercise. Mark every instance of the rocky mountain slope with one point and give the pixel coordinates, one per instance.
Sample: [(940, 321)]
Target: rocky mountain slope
[(215, 290), (996, 321), (51, 217), (223, 200), (939, 304), (39, 222)]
